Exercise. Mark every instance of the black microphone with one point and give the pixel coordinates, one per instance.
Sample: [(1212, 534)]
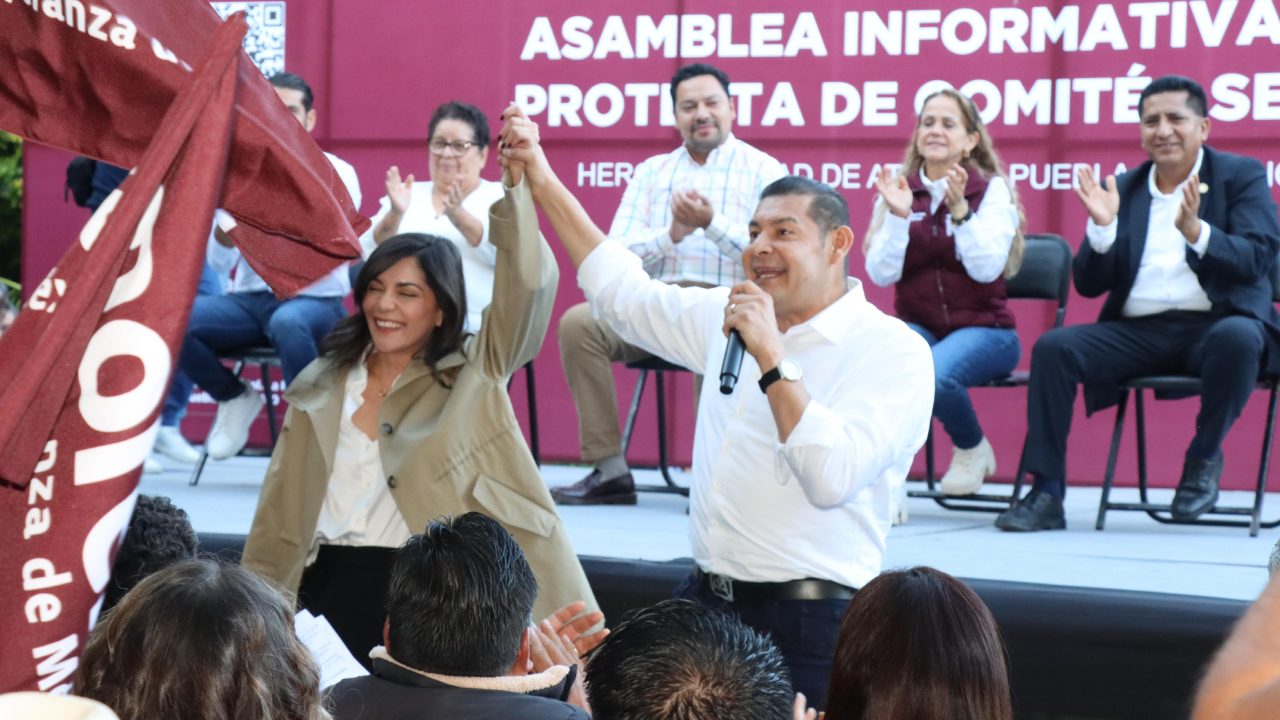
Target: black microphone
[(732, 364)]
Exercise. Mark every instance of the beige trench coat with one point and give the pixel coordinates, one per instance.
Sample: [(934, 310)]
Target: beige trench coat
[(444, 450)]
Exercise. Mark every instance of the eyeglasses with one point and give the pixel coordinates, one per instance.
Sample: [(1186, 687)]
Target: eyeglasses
[(457, 147)]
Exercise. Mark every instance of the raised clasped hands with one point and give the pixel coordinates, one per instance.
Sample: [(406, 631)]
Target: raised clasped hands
[(1102, 203), (894, 191), (750, 312), (519, 147), (691, 208), (399, 192)]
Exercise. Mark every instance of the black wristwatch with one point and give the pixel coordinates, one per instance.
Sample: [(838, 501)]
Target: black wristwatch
[(788, 369)]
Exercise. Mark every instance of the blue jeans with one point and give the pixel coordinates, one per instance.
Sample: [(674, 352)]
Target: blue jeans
[(294, 327), (803, 630), (175, 403), (967, 358)]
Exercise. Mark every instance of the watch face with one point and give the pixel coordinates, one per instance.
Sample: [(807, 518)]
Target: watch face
[(789, 369)]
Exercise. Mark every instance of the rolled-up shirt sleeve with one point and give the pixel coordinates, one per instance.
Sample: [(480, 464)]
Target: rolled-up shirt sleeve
[(842, 447)]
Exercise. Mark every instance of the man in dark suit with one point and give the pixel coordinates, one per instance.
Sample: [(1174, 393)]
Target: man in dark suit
[(1183, 245)]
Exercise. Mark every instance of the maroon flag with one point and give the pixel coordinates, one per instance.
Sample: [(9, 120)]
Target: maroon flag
[(96, 77), (87, 367)]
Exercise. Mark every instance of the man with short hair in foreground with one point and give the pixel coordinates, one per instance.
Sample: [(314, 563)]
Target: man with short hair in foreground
[(458, 634), (679, 660), (794, 472)]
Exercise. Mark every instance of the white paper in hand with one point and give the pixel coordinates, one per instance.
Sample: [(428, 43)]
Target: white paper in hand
[(330, 653)]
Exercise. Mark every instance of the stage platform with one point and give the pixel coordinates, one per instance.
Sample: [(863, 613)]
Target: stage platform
[(1134, 553)]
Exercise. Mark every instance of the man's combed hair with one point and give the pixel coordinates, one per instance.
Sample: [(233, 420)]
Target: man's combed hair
[(698, 70), (159, 535), (678, 660), (1196, 99), (460, 598), (827, 207), (289, 81)]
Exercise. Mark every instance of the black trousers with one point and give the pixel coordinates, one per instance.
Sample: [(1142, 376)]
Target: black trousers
[(348, 585), (1226, 353)]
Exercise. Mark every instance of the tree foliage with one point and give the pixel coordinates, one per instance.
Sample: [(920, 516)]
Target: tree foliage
[(10, 206)]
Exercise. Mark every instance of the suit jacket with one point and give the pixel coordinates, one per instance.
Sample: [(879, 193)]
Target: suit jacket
[(1236, 268), (446, 447)]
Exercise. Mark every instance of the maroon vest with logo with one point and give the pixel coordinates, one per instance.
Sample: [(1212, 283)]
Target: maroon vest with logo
[(935, 291)]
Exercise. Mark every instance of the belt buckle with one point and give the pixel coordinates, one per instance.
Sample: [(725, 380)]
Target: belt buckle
[(721, 586)]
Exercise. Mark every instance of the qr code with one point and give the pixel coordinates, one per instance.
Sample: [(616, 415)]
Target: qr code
[(264, 42)]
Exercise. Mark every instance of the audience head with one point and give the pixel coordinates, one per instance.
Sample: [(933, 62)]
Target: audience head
[(296, 95), (458, 140), (1174, 122), (205, 640), (159, 535), (412, 284), (799, 239), (704, 111), (678, 660), (919, 644), (460, 599)]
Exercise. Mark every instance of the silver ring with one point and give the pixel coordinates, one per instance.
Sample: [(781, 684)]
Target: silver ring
[(732, 307)]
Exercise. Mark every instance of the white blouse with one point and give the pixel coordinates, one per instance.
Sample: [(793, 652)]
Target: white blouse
[(358, 509)]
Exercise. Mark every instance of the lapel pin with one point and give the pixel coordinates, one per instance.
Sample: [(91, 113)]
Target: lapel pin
[(1204, 188)]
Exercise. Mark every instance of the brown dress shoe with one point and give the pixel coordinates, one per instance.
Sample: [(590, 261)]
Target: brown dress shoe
[(594, 490)]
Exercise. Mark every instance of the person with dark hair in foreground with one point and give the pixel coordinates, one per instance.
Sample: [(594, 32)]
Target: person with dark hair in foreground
[(457, 635), (793, 471), (1182, 246), (679, 660), (159, 535), (201, 639), (919, 644), (406, 417)]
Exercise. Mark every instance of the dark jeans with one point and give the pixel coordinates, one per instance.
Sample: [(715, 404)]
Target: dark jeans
[(294, 327), (804, 630), (1226, 353), (348, 586)]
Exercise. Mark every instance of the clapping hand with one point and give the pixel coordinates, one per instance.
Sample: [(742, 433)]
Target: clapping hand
[(1102, 203), (399, 192), (689, 207), (801, 711), (957, 179), (562, 639), (894, 190), (1189, 211)]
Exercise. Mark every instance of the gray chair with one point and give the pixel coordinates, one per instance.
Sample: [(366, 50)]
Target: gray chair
[(1045, 274)]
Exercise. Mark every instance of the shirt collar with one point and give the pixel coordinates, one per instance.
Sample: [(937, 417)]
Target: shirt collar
[(937, 188), (1155, 189), (835, 321)]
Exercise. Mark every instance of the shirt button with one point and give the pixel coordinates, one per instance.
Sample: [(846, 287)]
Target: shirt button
[(391, 482), (386, 428)]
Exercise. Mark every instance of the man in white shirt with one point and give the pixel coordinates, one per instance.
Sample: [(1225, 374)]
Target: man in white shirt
[(793, 472), (1184, 246), (685, 215), (250, 315)]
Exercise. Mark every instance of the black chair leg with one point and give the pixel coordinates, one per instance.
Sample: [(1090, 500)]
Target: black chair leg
[(204, 449), (1105, 503), (531, 393), (633, 411), (264, 370)]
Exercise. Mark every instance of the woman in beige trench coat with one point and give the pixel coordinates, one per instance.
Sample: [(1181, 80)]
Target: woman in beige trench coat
[(400, 374)]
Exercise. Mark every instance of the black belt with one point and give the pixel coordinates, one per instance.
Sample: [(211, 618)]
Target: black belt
[(731, 590)]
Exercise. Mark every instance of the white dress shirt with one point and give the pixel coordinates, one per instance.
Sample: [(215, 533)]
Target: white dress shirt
[(336, 284), (1165, 280), (358, 509), (477, 262), (982, 243), (817, 505), (731, 180)]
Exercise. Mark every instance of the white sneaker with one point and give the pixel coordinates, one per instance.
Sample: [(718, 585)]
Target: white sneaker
[(898, 505), (171, 444), (230, 429), (152, 466), (968, 469)]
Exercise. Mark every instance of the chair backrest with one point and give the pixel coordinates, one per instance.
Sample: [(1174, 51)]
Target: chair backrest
[(1045, 273)]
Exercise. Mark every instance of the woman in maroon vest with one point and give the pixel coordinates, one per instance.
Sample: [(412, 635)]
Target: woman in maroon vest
[(946, 231)]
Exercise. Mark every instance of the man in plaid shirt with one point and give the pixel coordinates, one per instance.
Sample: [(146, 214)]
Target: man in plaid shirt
[(685, 213)]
